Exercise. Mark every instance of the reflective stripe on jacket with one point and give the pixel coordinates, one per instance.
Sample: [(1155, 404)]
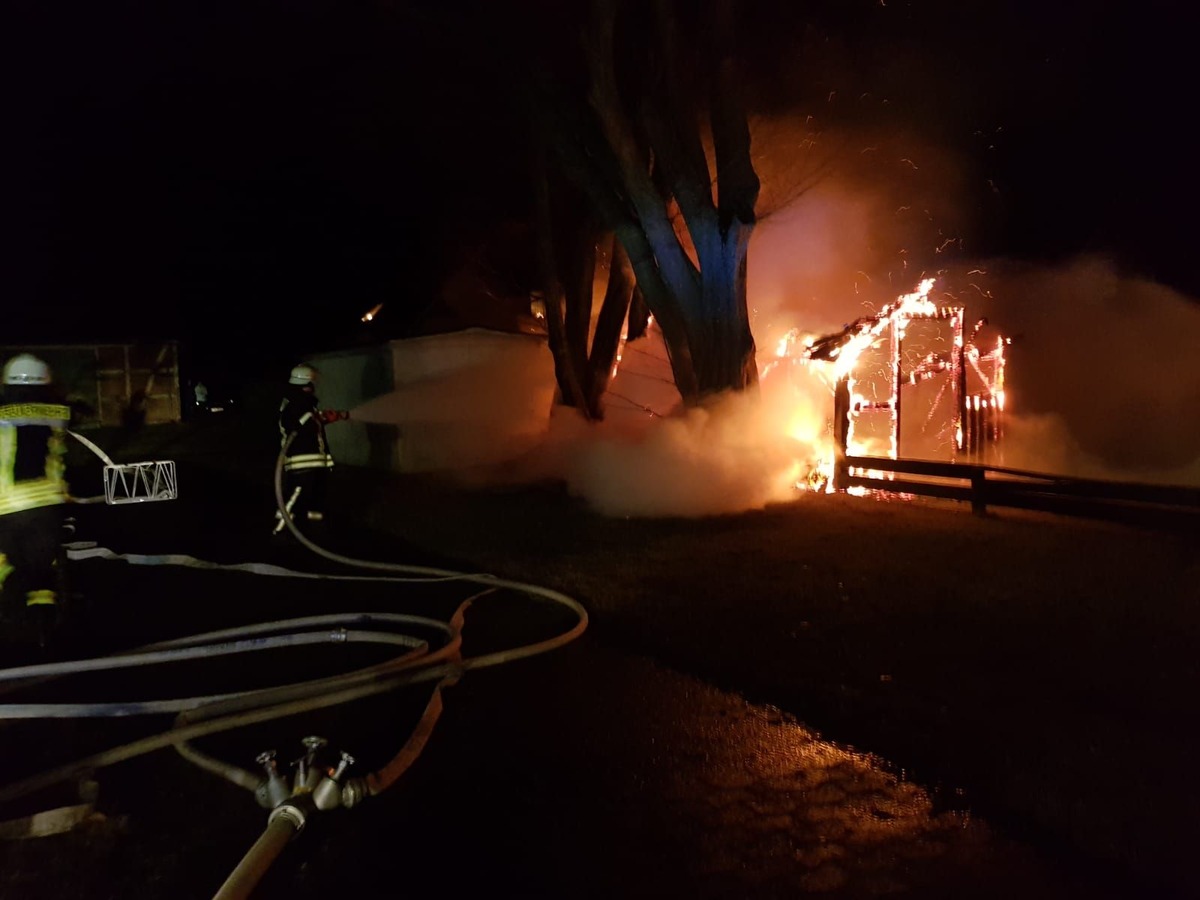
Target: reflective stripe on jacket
[(307, 461), (299, 413), (32, 446)]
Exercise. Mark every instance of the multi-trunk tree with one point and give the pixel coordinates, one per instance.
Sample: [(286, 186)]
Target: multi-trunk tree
[(647, 141)]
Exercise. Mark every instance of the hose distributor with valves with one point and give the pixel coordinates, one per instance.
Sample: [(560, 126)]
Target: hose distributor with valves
[(324, 783), (313, 788)]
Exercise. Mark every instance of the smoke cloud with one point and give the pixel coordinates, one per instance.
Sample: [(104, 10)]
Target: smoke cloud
[(704, 461), (1104, 375)]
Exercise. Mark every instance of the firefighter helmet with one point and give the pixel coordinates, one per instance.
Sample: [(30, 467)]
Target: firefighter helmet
[(302, 374), (26, 369)]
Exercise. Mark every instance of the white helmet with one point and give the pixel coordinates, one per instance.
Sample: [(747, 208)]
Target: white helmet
[(26, 369), (302, 374)]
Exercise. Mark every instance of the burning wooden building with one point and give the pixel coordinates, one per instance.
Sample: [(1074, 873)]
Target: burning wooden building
[(911, 382)]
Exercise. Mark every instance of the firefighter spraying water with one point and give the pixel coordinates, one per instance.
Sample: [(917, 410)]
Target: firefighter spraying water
[(308, 461)]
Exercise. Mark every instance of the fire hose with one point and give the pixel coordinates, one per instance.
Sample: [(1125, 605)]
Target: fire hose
[(197, 716)]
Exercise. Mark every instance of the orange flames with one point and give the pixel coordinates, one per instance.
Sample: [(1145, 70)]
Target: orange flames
[(833, 360)]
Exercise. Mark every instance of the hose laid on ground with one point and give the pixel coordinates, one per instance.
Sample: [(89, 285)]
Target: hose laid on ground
[(204, 715), (254, 865), (262, 705)]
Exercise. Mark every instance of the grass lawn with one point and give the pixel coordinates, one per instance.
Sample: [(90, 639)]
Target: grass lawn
[(1041, 670)]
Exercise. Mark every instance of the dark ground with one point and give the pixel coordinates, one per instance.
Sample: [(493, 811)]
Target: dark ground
[(1030, 672), (1042, 670)]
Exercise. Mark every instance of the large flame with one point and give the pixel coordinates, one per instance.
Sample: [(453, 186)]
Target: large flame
[(830, 360), (868, 330), (832, 363)]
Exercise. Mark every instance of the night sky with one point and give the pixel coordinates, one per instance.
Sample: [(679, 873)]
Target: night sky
[(258, 173)]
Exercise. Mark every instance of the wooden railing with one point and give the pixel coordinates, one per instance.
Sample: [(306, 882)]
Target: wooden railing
[(984, 486)]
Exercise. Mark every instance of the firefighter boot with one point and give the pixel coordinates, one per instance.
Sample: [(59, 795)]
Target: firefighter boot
[(42, 611)]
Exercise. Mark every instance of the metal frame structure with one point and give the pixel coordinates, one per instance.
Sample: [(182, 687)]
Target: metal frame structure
[(140, 482)]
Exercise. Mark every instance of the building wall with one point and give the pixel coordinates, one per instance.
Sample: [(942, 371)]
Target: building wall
[(439, 403), (347, 379)]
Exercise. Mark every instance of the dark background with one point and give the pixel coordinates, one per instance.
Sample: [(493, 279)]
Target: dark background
[(250, 177)]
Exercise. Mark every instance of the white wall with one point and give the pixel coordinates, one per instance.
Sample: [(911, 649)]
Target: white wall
[(450, 401)]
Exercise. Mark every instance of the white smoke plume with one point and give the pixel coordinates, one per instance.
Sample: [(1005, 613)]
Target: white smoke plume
[(1104, 375), (724, 457)]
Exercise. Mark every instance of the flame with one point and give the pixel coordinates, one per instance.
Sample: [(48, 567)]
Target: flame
[(784, 348), (915, 304), (828, 364), (833, 360)]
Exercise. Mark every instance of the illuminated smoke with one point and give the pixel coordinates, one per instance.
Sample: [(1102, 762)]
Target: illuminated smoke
[(649, 457), (721, 458), (1104, 378)]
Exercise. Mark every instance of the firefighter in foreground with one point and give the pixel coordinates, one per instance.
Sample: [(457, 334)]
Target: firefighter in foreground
[(308, 461), (33, 429)]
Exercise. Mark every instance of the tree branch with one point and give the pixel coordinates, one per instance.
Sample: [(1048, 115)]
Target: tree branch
[(737, 182), (672, 262)]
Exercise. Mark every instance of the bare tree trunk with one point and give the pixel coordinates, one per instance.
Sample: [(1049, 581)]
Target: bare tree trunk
[(566, 374), (576, 256), (607, 340), (728, 344), (721, 342)]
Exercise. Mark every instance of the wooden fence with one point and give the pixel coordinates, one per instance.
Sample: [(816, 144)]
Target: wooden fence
[(983, 486)]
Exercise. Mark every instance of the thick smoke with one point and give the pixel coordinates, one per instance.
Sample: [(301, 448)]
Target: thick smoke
[(720, 458), (1105, 372)]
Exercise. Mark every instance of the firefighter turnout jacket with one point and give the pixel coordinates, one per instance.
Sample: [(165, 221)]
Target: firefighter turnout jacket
[(299, 413), (32, 448)]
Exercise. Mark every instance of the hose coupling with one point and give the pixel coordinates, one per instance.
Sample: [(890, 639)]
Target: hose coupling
[(293, 813), (354, 792)]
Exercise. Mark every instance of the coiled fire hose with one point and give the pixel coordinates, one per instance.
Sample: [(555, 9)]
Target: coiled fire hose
[(198, 716)]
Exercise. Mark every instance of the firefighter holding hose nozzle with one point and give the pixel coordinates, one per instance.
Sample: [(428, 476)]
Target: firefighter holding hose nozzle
[(33, 489), (308, 461)]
